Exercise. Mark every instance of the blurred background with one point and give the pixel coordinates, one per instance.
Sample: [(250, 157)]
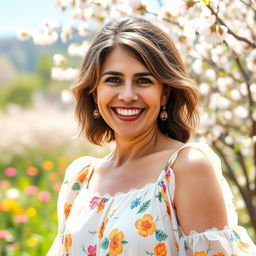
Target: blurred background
[(41, 45)]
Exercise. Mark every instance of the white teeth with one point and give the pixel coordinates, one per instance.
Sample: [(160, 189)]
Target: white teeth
[(128, 112)]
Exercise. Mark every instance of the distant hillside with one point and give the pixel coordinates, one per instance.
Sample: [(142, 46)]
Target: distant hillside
[(24, 55)]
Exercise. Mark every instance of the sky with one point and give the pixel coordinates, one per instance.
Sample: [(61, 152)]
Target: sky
[(27, 14)]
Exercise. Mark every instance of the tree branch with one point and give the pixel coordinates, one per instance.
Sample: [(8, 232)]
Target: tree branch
[(240, 38)]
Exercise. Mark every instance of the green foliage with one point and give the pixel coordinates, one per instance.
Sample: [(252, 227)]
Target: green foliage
[(20, 91)]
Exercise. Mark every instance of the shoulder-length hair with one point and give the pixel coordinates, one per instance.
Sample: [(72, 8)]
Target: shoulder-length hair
[(153, 48)]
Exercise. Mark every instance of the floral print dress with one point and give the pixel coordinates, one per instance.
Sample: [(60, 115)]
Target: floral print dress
[(141, 221)]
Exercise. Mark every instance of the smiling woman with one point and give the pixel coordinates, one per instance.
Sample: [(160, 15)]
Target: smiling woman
[(156, 193)]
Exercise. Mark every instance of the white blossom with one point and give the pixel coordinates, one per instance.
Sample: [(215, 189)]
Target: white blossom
[(241, 112), (44, 38), (214, 34), (59, 59), (235, 95), (12, 193), (251, 60), (66, 96), (204, 88), (23, 34)]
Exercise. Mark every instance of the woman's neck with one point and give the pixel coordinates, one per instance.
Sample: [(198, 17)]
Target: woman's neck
[(131, 148)]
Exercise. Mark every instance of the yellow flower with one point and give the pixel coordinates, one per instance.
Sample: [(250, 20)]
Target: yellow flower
[(63, 161), (115, 246), (160, 249), (145, 225), (243, 246), (31, 242), (201, 253), (53, 176), (31, 211), (9, 204), (47, 165)]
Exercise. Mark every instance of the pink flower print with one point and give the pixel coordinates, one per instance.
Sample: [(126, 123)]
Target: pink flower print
[(168, 174), (92, 250), (95, 202)]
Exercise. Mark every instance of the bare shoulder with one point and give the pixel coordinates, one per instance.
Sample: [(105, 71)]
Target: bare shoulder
[(198, 196)]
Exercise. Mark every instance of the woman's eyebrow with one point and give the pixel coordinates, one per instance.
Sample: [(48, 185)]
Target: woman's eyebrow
[(115, 73)]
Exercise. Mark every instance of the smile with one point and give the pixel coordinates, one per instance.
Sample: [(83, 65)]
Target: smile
[(128, 114)]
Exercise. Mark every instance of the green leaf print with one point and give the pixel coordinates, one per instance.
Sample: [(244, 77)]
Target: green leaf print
[(159, 196), (76, 186), (124, 242), (149, 253), (105, 243), (161, 235), (144, 206)]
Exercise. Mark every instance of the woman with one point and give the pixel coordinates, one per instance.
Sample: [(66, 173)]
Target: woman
[(155, 194)]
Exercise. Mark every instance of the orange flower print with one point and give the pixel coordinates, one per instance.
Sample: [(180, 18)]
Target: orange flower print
[(145, 225), (67, 242), (176, 245), (201, 253), (67, 208), (168, 208), (219, 254), (116, 238), (101, 230), (82, 176), (160, 249)]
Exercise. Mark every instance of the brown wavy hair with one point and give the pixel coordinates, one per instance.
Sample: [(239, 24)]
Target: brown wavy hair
[(153, 48)]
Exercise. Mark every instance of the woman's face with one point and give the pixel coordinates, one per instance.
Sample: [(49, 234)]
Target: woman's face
[(128, 96)]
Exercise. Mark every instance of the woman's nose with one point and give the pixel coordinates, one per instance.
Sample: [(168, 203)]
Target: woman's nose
[(128, 93)]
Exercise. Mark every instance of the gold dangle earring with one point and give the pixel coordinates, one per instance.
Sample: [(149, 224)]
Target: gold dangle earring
[(163, 114), (96, 113)]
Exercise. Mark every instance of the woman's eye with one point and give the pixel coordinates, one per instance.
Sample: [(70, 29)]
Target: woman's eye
[(144, 81), (113, 80)]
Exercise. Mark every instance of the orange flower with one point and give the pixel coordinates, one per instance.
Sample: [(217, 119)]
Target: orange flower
[(145, 225), (67, 242), (67, 208), (115, 246), (101, 206), (160, 249), (82, 176), (101, 230), (176, 245), (168, 208), (201, 253), (47, 165)]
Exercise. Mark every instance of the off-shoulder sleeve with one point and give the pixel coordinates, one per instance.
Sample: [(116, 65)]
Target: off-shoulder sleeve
[(227, 242), (233, 240), (66, 198)]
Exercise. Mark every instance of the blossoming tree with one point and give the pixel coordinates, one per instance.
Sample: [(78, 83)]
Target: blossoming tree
[(217, 39)]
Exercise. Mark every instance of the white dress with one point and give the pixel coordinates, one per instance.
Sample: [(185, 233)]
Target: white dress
[(140, 222)]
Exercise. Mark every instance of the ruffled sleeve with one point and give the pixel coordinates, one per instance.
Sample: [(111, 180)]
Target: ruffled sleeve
[(67, 195), (227, 242), (233, 240)]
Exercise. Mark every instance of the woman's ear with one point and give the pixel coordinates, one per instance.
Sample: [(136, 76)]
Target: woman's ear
[(94, 95), (165, 95)]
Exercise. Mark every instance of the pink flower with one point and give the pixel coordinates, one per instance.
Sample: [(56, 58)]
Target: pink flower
[(95, 202), (10, 172), (31, 190), (20, 218), (44, 196), (92, 250), (4, 234)]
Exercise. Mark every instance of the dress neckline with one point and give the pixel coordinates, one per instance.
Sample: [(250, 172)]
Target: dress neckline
[(168, 164)]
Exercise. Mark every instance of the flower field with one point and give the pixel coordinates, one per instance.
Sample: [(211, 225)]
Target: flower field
[(31, 176)]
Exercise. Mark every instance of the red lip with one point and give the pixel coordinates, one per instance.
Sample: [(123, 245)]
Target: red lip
[(127, 118)]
